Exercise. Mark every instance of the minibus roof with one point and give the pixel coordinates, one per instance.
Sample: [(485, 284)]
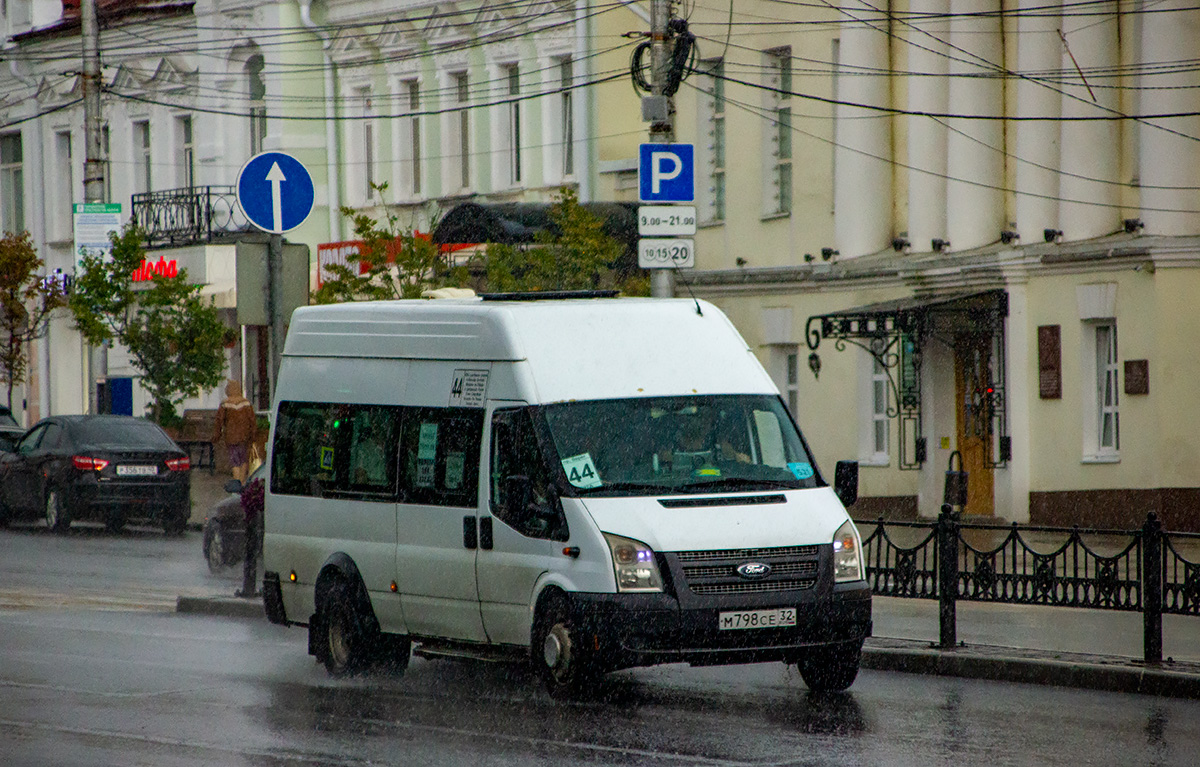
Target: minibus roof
[(576, 348)]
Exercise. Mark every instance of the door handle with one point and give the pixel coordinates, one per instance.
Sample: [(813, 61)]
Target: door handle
[(470, 534), (485, 533)]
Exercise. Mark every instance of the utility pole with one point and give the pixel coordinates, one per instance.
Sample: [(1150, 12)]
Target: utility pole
[(661, 111), (93, 164)]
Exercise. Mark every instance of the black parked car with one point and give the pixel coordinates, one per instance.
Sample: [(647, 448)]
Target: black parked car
[(10, 430), (225, 527), (110, 468)]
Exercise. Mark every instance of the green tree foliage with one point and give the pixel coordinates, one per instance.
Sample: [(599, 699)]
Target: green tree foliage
[(26, 302), (573, 254), (175, 336), (399, 264)]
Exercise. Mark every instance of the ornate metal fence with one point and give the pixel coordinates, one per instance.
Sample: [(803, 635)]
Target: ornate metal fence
[(1133, 570), (189, 215)]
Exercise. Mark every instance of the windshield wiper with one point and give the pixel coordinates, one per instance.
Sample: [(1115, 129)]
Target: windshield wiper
[(640, 488), (740, 483)]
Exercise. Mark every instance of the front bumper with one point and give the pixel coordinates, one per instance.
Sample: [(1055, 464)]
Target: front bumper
[(646, 629)]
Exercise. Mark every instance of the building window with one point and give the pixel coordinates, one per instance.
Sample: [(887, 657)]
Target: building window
[(187, 151), (410, 137), (1108, 431), (879, 411), (567, 116), (778, 176), (141, 156), (12, 183), (459, 138), (364, 153), (257, 91), (63, 224), (513, 125), (785, 370), (106, 160)]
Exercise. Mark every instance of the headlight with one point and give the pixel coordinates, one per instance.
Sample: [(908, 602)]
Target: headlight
[(847, 554), (633, 564)]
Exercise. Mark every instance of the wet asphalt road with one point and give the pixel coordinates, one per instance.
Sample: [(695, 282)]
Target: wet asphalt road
[(110, 676)]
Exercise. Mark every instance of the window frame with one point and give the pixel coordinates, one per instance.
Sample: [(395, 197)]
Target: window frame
[(12, 183)]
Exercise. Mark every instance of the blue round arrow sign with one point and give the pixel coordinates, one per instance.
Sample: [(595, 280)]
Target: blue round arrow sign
[(275, 192)]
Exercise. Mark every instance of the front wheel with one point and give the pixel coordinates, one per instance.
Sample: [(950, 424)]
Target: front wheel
[(216, 547), (58, 518), (561, 653), (832, 668)]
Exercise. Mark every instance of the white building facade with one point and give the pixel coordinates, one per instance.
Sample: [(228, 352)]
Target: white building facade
[(442, 102)]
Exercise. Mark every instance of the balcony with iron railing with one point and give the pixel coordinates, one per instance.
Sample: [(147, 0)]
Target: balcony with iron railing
[(191, 215)]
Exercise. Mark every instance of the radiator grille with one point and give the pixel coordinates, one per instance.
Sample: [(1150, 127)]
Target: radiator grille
[(751, 587), (715, 573), (743, 555)]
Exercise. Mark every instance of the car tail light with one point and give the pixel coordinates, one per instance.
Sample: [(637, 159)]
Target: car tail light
[(179, 464), (84, 463)]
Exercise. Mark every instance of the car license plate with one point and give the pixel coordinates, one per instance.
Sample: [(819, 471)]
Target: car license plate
[(758, 619), (137, 471)]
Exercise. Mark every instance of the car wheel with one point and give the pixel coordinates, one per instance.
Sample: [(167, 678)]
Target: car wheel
[(58, 518), (174, 523), (114, 521), (560, 652), (216, 547), (831, 669), (346, 643)]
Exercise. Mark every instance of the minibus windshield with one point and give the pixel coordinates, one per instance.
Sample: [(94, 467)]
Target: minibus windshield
[(664, 445)]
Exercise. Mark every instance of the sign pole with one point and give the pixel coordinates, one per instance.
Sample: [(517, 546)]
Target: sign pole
[(275, 306), (662, 281)]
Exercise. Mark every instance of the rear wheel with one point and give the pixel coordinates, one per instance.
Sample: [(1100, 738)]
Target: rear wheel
[(561, 655), (831, 669), (346, 643), (58, 517), (174, 522), (114, 521)]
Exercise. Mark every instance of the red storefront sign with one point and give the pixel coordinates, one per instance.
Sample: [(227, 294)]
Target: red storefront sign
[(162, 268)]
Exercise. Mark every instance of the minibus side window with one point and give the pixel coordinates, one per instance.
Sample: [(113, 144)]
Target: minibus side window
[(323, 447), (518, 467), (439, 456)]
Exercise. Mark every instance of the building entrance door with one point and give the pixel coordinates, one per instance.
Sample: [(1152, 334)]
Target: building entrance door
[(973, 388)]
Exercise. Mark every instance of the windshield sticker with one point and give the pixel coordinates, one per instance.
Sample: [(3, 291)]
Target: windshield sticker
[(801, 470), (426, 454), (708, 471), (326, 459), (468, 388), (455, 463), (581, 471)]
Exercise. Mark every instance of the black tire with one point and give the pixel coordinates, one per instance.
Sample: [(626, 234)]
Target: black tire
[(58, 516), (561, 653), (174, 522), (347, 640), (114, 521), (216, 547), (832, 668)]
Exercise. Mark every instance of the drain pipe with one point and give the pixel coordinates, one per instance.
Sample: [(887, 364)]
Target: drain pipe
[(584, 101), (332, 154)]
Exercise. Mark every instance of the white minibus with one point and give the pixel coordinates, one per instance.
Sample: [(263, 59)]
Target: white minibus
[(585, 483)]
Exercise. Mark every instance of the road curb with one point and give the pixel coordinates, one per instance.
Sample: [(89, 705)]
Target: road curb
[(233, 607), (1029, 667)]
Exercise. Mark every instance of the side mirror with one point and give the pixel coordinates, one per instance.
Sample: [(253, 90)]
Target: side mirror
[(233, 486), (845, 481)]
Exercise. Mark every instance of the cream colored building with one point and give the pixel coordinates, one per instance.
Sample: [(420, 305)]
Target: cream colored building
[(1008, 218)]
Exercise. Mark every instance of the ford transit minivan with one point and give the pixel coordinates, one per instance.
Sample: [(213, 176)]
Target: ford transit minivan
[(588, 484)]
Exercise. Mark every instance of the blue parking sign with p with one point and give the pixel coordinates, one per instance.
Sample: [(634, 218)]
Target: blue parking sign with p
[(666, 173)]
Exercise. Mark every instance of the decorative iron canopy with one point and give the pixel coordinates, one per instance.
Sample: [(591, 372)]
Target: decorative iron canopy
[(895, 332)]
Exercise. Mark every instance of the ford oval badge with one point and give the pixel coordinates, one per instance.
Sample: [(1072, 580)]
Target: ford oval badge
[(754, 571)]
